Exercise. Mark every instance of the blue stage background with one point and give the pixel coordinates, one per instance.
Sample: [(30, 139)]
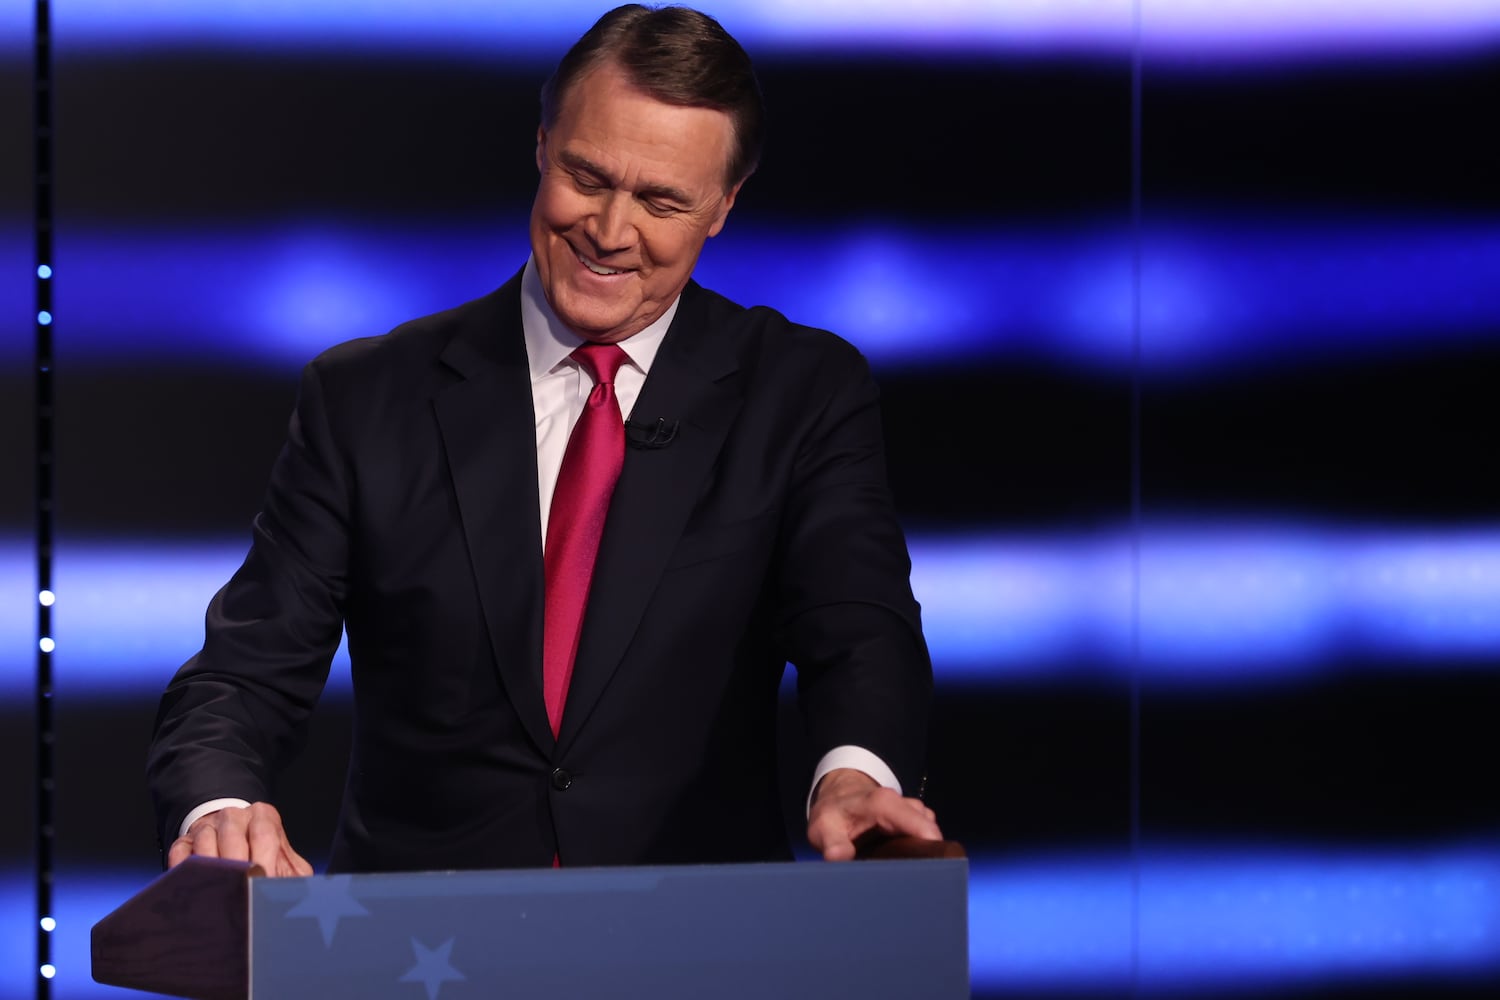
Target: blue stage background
[(1187, 320)]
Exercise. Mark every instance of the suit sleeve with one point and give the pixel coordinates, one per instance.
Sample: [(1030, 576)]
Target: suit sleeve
[(235, 713), (848, 619)]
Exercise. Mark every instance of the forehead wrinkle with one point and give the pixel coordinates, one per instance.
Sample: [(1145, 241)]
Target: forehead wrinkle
[(580, 162)]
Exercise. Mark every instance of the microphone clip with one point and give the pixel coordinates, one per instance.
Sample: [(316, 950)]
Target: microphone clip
[(651, 435)]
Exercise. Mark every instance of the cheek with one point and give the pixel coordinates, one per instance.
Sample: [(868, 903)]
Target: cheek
[(668, 244), (557, 207)]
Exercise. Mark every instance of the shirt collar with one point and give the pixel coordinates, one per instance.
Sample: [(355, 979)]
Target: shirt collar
[(549, 341)]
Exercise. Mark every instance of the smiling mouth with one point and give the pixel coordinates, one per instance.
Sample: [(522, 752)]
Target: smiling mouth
[(599, 269)]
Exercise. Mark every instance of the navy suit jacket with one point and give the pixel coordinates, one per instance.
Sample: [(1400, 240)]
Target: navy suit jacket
[(404, 508)]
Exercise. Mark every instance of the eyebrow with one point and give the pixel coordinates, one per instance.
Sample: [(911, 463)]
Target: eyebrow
[(662, 191)]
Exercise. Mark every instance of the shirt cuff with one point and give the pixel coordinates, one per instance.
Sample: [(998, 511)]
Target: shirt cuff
[(857, 758), (213, 805)]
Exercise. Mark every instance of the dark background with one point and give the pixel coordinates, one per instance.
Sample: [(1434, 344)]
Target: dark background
[(1369, 749)]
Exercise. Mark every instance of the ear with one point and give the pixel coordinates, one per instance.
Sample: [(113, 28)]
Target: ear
[(724, 207), (541, 149)]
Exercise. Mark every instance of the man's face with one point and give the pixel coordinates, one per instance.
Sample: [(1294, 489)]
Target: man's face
[(631, 188)]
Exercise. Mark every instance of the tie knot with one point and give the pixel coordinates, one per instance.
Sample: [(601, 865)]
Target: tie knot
[(601, 361)]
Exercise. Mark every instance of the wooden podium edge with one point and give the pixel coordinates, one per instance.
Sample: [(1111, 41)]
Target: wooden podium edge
[(907, 849), (186, 934)]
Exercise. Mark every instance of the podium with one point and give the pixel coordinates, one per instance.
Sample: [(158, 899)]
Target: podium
[(215, 930)]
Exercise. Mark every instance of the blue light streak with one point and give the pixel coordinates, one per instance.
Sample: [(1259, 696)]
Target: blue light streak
[(1235, 919), (1215, 293), (1289, 915), (1220, 602), (479, 28), (1229, 919)]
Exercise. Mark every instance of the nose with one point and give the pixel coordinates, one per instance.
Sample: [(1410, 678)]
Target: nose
[(612, 229)]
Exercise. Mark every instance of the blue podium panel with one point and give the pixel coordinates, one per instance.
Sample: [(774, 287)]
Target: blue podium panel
[(887, 929)]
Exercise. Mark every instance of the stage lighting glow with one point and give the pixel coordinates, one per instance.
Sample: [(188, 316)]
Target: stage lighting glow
[(1336, 914), (1214, 603), (134, 613), (1189, 28), (1205, 918), (1234, 917), (1214, 293)]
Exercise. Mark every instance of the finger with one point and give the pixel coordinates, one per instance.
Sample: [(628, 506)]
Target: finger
[(901, 818), (832, 835), (834, 847), (920, 807), (180, 851), (227, 833), (295, 864), (266, 840), (205, 840)]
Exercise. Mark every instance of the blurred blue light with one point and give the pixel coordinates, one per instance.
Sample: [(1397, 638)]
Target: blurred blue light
[(1208, 915), (1189, 28), (1234, 919), (1051, 920), (132, 613), (43, 271), (1214, 293), (1206, 918), (1217, 602), (44, 318)]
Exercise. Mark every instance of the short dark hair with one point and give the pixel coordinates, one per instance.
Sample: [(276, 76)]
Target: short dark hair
[(679, 56)]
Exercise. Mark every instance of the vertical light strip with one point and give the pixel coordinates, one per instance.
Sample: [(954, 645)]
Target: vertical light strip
[(45, 923), (1137, 221)]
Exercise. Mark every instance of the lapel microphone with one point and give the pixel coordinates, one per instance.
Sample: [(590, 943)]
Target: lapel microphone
[(651, 435)]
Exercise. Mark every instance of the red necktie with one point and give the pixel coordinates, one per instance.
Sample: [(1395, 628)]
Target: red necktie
[(590, 466)]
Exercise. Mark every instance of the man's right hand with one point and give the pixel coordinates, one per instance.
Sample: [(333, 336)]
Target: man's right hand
[(253, 834)]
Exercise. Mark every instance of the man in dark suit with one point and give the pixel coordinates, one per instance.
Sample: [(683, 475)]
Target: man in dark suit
[(750, 526)]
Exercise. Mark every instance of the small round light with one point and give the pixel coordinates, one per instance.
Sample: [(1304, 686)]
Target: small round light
[(43, 271), (48, 971), (47, 598), (49, 925), (47, 644), (44, 318)]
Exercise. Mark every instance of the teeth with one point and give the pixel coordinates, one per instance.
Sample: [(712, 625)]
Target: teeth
[(597, 268)]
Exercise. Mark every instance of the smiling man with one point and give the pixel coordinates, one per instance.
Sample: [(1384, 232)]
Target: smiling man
[(631, 188), (575, 530)]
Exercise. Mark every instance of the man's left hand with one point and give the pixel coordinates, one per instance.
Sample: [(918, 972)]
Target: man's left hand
[(849, 804)]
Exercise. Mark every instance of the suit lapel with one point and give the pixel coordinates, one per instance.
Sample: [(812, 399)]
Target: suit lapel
[(655, 496), (487, 425)]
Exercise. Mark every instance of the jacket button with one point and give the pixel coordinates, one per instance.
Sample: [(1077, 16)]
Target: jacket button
[(561, 780)]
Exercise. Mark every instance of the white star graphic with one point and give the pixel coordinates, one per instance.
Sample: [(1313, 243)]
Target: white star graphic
[(432, 968), (328, 899)]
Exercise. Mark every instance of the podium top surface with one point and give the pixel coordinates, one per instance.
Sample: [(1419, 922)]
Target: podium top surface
[(890, 929)]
